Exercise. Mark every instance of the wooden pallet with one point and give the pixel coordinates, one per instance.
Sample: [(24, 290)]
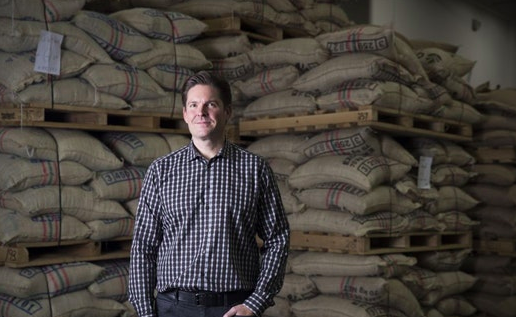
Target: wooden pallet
[(502, 247), (253, 28), (89, 118), (487, 155), (46, 253), (380, 243), (392, 121)]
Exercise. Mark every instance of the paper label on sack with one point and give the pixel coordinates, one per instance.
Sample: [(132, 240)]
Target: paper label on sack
[(48, 54), (424, 172)]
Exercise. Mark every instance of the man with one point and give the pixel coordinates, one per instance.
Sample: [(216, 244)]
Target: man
[(200, 210)]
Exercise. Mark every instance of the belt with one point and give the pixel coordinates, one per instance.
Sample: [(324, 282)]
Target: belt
[(209, 299)]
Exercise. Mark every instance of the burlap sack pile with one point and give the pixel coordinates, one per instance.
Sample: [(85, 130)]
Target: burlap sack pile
[(346, 285), (68, 289), (136, 58), (448, 70)]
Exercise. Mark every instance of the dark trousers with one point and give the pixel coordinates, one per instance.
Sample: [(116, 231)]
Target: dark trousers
[(168, 306)]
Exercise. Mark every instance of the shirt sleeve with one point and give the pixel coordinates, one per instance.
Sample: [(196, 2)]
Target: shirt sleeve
[(273, 229), (147, 237)]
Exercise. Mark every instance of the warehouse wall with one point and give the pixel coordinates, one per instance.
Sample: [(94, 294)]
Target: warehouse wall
[(493, 45)]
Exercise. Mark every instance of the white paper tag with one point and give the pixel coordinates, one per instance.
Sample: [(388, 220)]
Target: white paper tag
[(424, 172), (48, 54)]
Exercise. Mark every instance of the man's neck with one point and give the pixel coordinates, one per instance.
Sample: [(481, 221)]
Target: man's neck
[(208, 148)]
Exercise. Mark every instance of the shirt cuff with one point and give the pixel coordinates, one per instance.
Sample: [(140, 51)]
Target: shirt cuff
[(258, 303)]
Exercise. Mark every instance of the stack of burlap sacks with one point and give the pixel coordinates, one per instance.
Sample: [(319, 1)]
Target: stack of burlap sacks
[(495, 188), (62, 185)]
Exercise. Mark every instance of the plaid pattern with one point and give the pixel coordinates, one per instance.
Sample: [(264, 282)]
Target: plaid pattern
[(197, 223)]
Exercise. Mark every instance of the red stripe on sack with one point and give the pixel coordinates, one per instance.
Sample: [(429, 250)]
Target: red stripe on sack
[(50, 4)]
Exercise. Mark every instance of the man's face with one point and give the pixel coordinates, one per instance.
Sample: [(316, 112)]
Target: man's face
[(205, 113)]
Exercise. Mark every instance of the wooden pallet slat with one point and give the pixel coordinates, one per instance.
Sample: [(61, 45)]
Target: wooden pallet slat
[(89, 118), (46, 253), (380, 243), (388, 120), (487, 155)]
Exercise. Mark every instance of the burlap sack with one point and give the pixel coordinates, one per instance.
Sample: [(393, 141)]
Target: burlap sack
[(118, 39), (280, 146), (267, 82), (47, 281), (220, 47), (359, 288), (282, 168), (498, 100), (497, 122), (123, 81), (17, 173), (487, 263), (21, 36), (45, 228), (443, 261), (434, 57), (460, 112), (456, 221), (352, 141), (28, 142), (162, 52), (420, 220), (281, 308), (131, 206), (175, 141), (328, 12), (494, 230), (494, 138), (171, 104), (49, 11), (456, 305), (81, 147), (163, 25), (77, 201), (335, 306), (286, 102), (297, 287), (18, 70), (234, 68), (458, 88), (495, 283), (364, 172), (386, 94), (338, 264), (441, 151), (345, 197), (494, 195), (289, 200), (420, 281), (72, 91), (452, 283), (303, 53), (450, 175), (344, 223), (136, 148), (121, 184), (378, 40), (394, 150), (112, 282), (110, 228), (170, 77), (201, 9), (494, 213), (348, 67), (452, 198), (500, 306)]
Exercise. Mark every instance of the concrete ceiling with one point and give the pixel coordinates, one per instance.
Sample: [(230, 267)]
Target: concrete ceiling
[(503, 9)]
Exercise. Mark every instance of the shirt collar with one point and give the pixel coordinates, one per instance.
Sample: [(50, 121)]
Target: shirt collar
[(225, 151)]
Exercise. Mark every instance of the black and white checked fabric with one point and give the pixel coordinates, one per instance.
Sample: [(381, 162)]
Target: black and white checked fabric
[(196, 228)]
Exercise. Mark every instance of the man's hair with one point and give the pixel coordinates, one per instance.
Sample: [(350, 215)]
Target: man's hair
[(205, 78)]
